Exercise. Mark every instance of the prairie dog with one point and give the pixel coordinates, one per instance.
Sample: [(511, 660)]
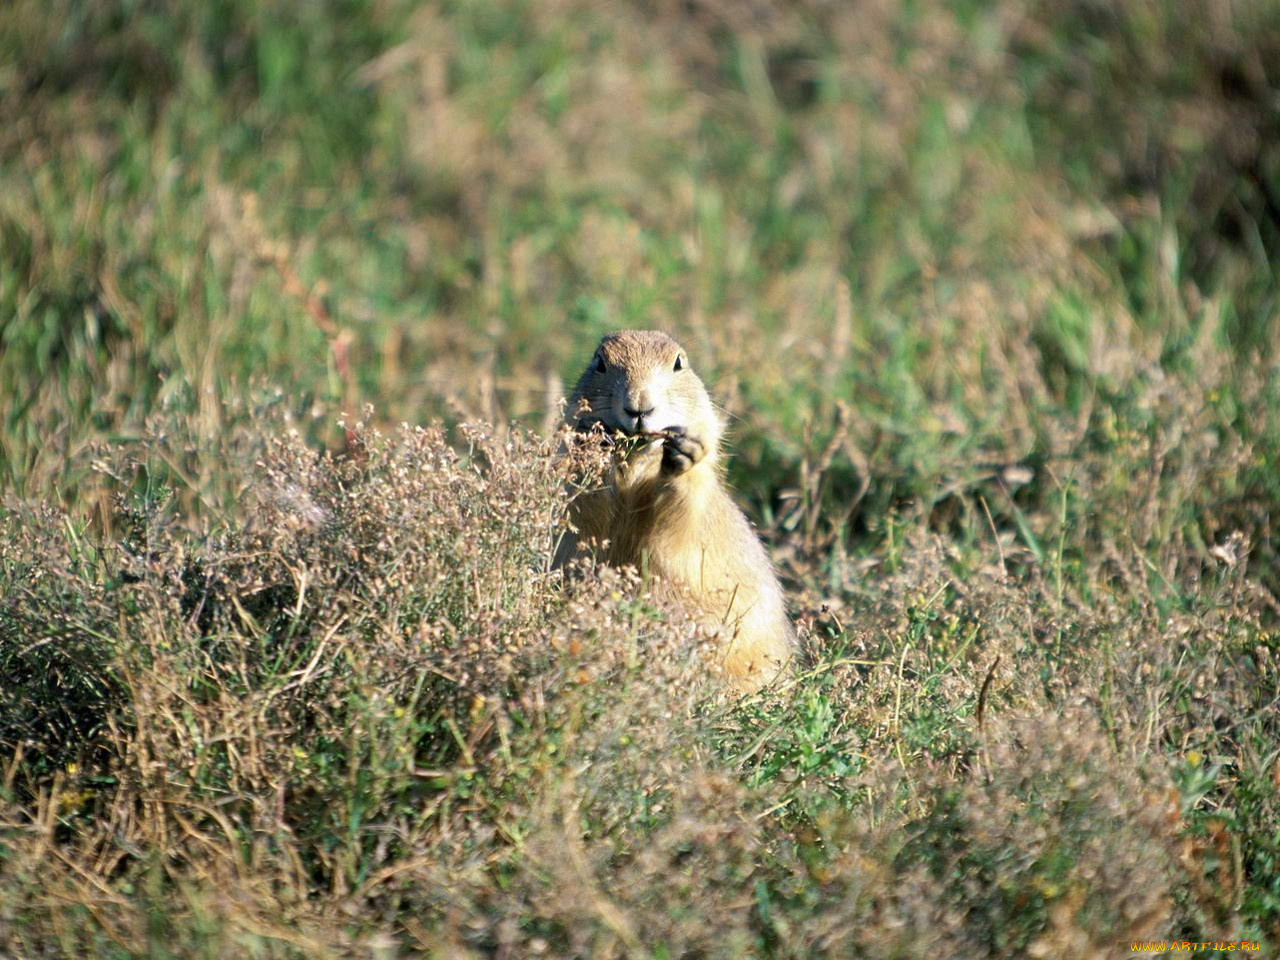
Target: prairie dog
[(664, 506)]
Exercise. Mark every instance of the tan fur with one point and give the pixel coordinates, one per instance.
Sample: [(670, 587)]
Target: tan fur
[(665, 508)]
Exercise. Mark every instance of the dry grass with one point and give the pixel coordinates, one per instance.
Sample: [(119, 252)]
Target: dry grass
[(988, 290), (365, 718)]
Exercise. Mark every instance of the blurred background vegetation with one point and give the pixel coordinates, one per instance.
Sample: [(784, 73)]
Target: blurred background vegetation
[(995, 279), (984, 226)]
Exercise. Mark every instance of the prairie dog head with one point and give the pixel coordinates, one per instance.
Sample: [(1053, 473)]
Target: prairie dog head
[(640, 382)]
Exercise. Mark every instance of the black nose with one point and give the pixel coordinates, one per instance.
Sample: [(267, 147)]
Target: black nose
[(638, 414)]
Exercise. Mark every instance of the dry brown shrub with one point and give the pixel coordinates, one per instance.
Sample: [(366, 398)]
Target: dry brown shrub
[(362, 698)]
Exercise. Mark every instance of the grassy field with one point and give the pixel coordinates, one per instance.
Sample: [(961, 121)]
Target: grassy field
[(288, 296)]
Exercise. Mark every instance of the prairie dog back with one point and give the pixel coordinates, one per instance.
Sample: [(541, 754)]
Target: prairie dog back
[(665, 505)]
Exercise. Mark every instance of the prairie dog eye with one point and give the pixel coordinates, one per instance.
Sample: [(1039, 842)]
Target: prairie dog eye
[(600, 364), (679, 363)]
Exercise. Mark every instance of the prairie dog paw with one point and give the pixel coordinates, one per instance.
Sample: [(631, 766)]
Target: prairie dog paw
[(680, 451)]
